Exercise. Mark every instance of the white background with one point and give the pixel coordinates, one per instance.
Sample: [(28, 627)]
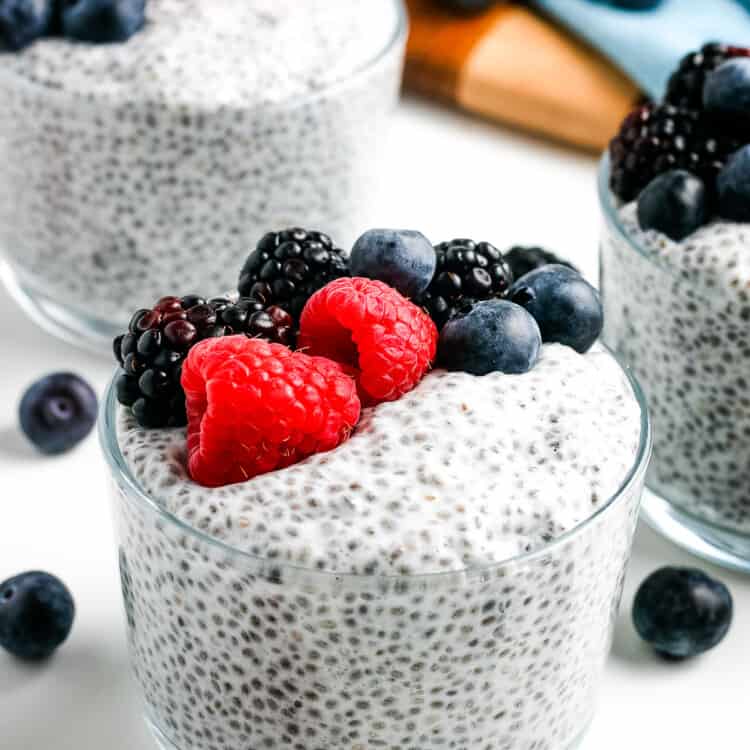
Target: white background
[(448, 175)]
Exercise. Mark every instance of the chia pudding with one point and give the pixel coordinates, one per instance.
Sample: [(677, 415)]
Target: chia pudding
[(448, 577), (675, 280), (678, 312), (129, 167)]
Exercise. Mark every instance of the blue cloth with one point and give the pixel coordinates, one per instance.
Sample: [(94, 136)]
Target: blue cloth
[(648, 44)]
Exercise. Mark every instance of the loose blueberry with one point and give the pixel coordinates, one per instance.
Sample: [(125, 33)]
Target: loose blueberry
[(36, 615), (24, 21), (733, 186), (565, 306), (674, 203), (57, 412), (102, 21), (493, 336), (403, 259), (727, 89), (682, 612)]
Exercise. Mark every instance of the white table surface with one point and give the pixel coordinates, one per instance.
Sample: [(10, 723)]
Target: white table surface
[(450, 175)]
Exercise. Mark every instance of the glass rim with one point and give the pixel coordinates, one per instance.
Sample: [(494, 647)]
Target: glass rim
[(609, 208), (121, 474), (393, 43)]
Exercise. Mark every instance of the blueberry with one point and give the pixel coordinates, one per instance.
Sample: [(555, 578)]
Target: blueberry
[(733, 187), (493, 336), (565, 306), (36, 615), (727, 89), (57, 412), (403, 259), (674, 203), (102, 21), (24, 21), (682, 612)]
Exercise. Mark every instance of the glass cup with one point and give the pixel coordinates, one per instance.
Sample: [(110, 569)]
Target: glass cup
[(686, 345), (232, 651), (104, 203)]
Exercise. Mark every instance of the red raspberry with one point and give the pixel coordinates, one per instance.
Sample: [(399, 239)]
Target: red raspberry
[(369, 325), (254, 406)]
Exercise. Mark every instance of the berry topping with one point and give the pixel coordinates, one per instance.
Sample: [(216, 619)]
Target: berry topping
[(24, 21), (370, 326), (660, 138), (733, 187), (494, 336), (151, 353), (288, 267), (685, 88), (566, 307), (102, 21), (727, 89), (466, 272), (682, 612), (57, 412), (523, 260), (402, 259), (36, 615), (674, 203), (255, 406)]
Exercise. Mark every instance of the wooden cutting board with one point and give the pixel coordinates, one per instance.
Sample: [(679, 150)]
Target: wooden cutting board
[(517, 67)]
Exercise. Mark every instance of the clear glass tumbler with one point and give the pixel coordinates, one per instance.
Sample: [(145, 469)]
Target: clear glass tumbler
[(686, 344), (106, 200), (233, 652)]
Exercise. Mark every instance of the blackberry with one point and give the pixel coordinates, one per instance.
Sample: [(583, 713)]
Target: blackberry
[(685, 87), (288, 267), (151, 353), (523, 260), (655, 139), (466, 272)]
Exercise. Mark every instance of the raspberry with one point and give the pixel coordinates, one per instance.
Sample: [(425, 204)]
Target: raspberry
[(255, 406), (368, 325)]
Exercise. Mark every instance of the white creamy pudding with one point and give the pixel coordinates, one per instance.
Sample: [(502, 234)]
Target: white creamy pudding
[(249, 630), (464, 471), (160, 161), (678, 312)]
